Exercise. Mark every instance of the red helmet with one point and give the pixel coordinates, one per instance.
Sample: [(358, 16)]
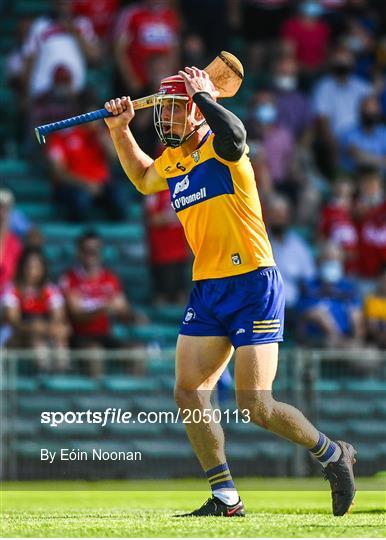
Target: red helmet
[(172, 89)]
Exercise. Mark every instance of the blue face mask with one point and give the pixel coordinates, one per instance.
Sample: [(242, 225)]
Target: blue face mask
[(311, 9), (266, 114), (331, 271)]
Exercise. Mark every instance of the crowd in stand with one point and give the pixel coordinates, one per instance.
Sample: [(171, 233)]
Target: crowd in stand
[(314, 105)]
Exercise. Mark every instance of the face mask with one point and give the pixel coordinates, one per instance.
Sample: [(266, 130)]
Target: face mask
[(265, 114), (311, 9), (287, 83), (341, 69), (355, 44), (372, 200), (331, 271), (370, 119)]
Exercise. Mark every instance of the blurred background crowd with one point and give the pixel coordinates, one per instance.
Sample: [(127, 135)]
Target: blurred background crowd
[(314, 105)]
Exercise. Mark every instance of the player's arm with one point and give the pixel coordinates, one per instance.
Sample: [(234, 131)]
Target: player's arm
[(138, 166), (230, 135)]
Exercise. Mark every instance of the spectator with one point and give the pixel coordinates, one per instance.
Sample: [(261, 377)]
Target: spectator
[(291, 253), (337, 225), (79, 159), (276, 144), (60, 101), (309, 34), (366, 143), (293, 107), (259, 22), (59, 40), (169, 254), (336, 100), (10, 245), (370, 216), (144, 30), (359, 39), (329, 308), (34, 307), (95, 297), (375, 313), (101, 13)]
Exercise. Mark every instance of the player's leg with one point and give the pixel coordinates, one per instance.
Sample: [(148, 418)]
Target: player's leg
[(200, 360), (255, 370)]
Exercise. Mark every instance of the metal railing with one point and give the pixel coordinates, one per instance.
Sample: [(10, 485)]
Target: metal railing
[(342, 392)]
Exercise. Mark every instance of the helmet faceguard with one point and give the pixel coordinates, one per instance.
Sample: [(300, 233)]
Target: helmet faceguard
[(171, 92)]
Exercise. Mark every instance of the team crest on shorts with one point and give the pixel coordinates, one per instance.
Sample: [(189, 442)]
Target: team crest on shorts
[(189, 315), (196, 156)]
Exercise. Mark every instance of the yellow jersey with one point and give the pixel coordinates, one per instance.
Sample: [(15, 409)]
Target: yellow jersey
[(219, 208)]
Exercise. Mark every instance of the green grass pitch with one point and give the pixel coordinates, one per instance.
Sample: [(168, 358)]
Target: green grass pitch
[(275, 508)]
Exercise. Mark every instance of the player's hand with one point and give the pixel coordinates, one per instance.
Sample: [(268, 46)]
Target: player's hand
[(197, 80), (123, 111)]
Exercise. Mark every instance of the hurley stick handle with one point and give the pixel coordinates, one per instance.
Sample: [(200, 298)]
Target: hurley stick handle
[(41, 131)]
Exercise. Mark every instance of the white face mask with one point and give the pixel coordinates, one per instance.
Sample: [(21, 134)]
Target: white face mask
[(266, 113), (331, 271), (287, 83)]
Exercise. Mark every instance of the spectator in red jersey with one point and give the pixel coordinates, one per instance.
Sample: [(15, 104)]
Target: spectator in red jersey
[(370, 216), (336, 222), (11, 246), (144, 30), (309, 34), (94, 297), (169, 252), (60, 39), (79, 159), (101, 13), (34, 307)]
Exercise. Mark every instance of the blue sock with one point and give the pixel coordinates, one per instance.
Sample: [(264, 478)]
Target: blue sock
[(326, 451), (221, 483)]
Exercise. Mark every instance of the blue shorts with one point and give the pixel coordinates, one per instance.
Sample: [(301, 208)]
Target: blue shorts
[(248, 308)]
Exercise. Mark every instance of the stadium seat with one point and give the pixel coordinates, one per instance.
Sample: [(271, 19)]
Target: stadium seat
[(20, 384), (38, 211), (327, 385), (236, 450), (155, 332), (28, 189), (66, 430), (380, 407), (365, 385), (332, 429), (136, 430), (154, 403), (20, 427), (31, 449), (168, 314), (36, 403), (343, 408), (124, 231), (12, 168), (130, 384), (163, 449), (100, 403), (70, 383), (368, 429), (160, 366), (275, 450), (168, 382)]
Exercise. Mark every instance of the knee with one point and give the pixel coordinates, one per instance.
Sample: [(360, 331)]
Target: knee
[(259, 404), (186, 398)]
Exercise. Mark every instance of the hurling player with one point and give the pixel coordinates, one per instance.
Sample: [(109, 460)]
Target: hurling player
[(237, 301)]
